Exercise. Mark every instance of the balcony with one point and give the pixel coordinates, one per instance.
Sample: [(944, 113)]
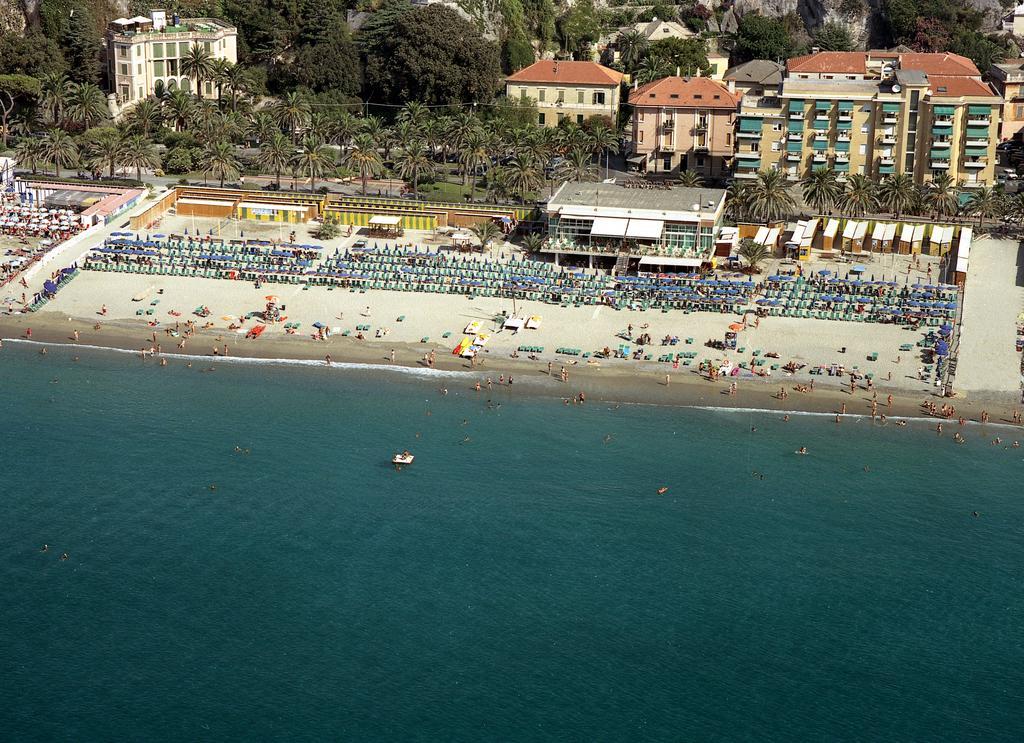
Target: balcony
[(668, 128), (975, 120), (845, 116), (941, 143), (700, 146), (975, 164), (746, 174), (940, 164), (973, 142), (795, 136), (890, 118), (842, 157), (668, 145), (843, 137), (793, 157), (888, 139), (748, 135), (887, 160), (819, 157), (796, 115), (702, 126)]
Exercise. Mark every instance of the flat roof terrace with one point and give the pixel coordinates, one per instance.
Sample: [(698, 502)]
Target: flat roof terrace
[(613, 199)]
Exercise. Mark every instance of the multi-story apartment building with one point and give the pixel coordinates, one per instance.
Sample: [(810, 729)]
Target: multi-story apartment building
[(142, 51), (1008, 80), (684, 123), (874, 113), (567, 90)]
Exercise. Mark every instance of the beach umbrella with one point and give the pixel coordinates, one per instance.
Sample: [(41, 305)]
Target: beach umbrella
[(858, 269), (942, 348), (824, 273)]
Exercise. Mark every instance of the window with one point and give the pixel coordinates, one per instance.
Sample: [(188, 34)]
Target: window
[(641, 117), (561, 118), (540, 119), (667, 162), (579, 96), (1018, 112), (206, 45), (579, 118), (755, 146), (863, 128), (640, 139), (208, 88), (561, 96), (542, 95), (863, 149), (182, 48), (599, 99), (775, 147), (700, 161), (728, 139), (522, 94), (158, 49), (777, 126), (158, 68), (122, 52), (124, 69), (139, 94)]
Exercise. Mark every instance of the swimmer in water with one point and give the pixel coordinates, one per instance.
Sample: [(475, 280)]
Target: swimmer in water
[(901, 423), (64, 556), (662, 490), (465, 440), (45, 548), (785, 419), (802, 450), (607, 438), (213, 487), (974, 514), (1015, 445)]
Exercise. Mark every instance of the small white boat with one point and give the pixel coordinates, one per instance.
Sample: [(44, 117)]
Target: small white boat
[(404, 458)]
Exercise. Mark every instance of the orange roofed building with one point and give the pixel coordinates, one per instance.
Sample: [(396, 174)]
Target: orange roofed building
[(683, 124), (567, 90)]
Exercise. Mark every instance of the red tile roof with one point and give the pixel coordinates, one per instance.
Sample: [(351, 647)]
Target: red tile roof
[(565, 72), (955, 86), (855, 63), (851, 63), (700, 92), (938, 64)]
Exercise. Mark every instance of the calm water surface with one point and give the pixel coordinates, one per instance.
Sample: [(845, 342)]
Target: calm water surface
[(522, 581)]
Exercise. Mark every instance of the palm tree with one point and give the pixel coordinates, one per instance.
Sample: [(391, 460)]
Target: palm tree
[(179, 107), (372, 125), (821, 190), (219, 69), (532, 242), (652, 68), (53, 90), (138, 153), (144, 117), (897, 193), (738, 197), (30, 150), (292, 111), (412, 161), (606, 141), (632, 47), (770, 196), (320, 126), (485, 232), (197, 63), (220, 160), (984, 202), (414, 113), (346, 126), (364, 157), (105, 151), (577, 166), (276, 154), (59, 149), (942, 196), (460, 128), (690, 179), (497, 184), (522, 175), (238, 82), (859, 197), (85, 104), (475, 153), (753, 253), (313, 159), (262, 127)]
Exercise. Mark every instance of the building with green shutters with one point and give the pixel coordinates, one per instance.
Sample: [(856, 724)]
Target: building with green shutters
[(875, 113)]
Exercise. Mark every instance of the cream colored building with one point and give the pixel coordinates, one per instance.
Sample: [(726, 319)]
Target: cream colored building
[(876, 114), (567, 90), (142, 51)]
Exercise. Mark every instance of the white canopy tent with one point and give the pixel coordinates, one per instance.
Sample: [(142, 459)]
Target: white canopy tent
[(609, 227), (645, 229), (383, 220)]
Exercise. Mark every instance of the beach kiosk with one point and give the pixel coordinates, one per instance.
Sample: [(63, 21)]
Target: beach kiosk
[(385, 225)]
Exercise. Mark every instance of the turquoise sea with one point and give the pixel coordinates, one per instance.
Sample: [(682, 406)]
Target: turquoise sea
[(525, 584)]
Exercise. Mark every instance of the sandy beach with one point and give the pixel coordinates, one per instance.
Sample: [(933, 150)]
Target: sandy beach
[(436, 323)]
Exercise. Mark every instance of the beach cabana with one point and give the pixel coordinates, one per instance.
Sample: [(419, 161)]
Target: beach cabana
[(941, 240), (762, 235), (917, 238), (963, 254), (853, 236), (889, 237), (882, 236), (829, 235), (906, 238), (807, 239)]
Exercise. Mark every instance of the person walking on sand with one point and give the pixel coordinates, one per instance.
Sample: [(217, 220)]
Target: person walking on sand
[(549, 368), (888, 401), (668, 378), (76, 336), (392, 355)]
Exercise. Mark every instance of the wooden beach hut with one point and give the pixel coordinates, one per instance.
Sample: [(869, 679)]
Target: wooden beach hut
[(807, 239), (917, 238), (963, 255), (906, 239), (828, 236)]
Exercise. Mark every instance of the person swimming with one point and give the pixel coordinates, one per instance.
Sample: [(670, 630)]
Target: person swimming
[(662, 490), (802, 450), (45, 548), (64, 556)]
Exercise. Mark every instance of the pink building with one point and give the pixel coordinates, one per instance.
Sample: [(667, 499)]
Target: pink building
[(684, 123)]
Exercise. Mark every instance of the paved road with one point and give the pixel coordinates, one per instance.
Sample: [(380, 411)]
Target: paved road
[(994, 297)]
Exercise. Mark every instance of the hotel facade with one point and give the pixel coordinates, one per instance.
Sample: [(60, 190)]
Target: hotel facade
[(876, 114)]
